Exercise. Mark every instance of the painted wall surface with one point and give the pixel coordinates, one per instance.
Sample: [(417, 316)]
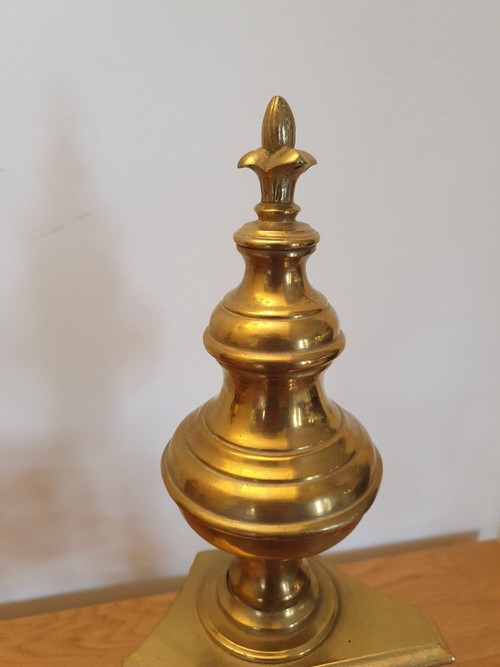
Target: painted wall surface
[(121, 123)]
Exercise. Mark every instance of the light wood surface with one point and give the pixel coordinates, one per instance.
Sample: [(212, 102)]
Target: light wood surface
[(459, 586)]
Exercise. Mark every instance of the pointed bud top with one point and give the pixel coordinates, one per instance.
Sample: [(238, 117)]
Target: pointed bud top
[(278, 126)]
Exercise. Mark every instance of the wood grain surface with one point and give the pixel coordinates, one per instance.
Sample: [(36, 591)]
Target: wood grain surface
[(459, 586)]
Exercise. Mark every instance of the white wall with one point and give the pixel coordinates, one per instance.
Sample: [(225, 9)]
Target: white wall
[(120, 126)]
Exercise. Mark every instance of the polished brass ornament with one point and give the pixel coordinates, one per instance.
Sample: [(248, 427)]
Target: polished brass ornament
[(272, 472)]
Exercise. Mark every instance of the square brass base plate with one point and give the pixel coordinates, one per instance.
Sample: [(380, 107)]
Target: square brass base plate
[(371, 629)]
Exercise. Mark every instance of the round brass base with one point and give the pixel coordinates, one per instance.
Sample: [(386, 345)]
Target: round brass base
[(268, 636)]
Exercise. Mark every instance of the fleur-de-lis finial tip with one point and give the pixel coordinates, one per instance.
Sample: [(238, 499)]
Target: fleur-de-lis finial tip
[(277, 163)]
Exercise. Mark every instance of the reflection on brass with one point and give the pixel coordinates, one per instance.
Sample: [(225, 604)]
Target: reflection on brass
[(273, 472)]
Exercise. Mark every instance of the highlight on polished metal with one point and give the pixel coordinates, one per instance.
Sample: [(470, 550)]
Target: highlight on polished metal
[(272, 472)]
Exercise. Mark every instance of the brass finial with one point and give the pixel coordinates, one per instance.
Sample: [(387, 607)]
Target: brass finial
[(272, 472), (278, 164)]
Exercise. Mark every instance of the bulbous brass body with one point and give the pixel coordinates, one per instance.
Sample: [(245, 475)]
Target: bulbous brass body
[(271, 470)]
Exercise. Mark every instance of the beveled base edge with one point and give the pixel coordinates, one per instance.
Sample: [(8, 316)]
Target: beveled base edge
[(371, 629)]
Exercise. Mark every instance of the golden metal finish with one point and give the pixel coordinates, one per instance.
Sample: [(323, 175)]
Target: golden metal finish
[(272, 471), (371, 630)]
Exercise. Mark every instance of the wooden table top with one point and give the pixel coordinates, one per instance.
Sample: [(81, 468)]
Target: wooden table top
[(459, 586)]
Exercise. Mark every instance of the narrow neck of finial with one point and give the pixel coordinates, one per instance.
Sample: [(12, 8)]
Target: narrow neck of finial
[(277, 190), (277, 211), (278, 186)]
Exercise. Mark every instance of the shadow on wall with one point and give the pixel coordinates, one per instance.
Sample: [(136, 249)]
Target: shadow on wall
[(68, 502)]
